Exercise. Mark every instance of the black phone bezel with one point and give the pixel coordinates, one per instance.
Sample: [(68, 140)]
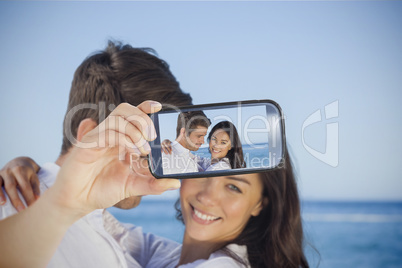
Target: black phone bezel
[(156, 150)]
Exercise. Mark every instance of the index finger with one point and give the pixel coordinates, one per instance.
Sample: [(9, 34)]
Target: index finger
[(26, 191)]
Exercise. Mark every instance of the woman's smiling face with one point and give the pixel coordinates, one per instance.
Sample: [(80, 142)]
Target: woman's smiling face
[(217, 209), (220, 144)]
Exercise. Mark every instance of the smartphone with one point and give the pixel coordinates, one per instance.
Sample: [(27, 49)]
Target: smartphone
[(217, 139)]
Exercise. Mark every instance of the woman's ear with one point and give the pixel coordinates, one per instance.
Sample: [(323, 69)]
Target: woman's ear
[(260, 205), (85, 126)]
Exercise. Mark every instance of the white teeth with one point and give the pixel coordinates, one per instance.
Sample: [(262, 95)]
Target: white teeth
[(203, 216)]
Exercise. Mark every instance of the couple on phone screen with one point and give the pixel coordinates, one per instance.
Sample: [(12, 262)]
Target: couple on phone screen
[(224, 146)]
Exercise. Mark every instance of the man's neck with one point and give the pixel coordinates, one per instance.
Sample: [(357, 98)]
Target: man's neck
[(183, 143), (60, 160)]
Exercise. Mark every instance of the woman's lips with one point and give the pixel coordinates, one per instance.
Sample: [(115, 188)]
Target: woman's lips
[(214, 151), (203, 218)]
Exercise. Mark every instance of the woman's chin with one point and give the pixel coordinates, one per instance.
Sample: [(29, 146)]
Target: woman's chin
[(215, 157)]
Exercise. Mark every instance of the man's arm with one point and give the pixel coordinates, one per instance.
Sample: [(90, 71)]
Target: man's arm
[(89, 179), (30, 238)]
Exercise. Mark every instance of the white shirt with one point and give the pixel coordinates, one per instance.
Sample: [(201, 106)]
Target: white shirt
[(99, 240), (149, 250), (181, 160), (218, 259), (86, 243), (152, 251), (222, 164)]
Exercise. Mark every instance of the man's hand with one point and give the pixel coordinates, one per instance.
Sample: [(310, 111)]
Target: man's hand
[(114, 169), (20, 174), (166, 146)]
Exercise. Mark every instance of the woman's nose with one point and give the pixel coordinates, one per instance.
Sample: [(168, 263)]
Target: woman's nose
[(208, 194)]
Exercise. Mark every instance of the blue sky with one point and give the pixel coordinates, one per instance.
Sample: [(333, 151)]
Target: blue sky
[(304, 55)]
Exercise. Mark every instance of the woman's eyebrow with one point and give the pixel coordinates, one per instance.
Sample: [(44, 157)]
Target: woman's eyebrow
[(213, 136), (241, 179)]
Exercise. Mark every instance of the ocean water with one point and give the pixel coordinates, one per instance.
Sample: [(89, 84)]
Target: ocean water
[(345, 234), (354, 234)]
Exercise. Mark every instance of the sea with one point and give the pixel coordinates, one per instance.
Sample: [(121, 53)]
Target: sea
[(337, 234)]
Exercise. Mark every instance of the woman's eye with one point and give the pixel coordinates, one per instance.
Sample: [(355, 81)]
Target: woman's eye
[(234, 188)]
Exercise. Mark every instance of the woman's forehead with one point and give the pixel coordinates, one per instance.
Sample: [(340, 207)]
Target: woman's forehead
[(252, 177), (220, 132)]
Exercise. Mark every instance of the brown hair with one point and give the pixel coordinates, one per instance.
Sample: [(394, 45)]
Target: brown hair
[(235, 154), (275, 237), (120, 73), (190, 121)]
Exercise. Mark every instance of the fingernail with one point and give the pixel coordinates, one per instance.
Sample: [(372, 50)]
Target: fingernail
[(2, 201), (155, 104), (20, 208), (171, 189)]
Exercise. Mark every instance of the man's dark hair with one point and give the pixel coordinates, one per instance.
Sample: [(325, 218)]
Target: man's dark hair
[(190, 121), (120, 73)]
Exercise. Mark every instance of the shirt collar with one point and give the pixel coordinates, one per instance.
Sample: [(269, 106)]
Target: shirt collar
[(179, 149), (48, 173)]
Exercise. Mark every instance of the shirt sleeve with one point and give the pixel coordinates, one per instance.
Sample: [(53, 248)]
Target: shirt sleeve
[(147, 249), (7, 209)]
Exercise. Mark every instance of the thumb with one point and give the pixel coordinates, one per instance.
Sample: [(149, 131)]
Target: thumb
[(161, 185), (149, 106)]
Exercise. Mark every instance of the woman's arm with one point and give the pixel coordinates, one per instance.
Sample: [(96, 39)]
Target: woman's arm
[(20, 174), (89, 179)]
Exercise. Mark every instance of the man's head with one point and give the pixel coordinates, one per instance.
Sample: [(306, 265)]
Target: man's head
[(191, 129), (118, 74)]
